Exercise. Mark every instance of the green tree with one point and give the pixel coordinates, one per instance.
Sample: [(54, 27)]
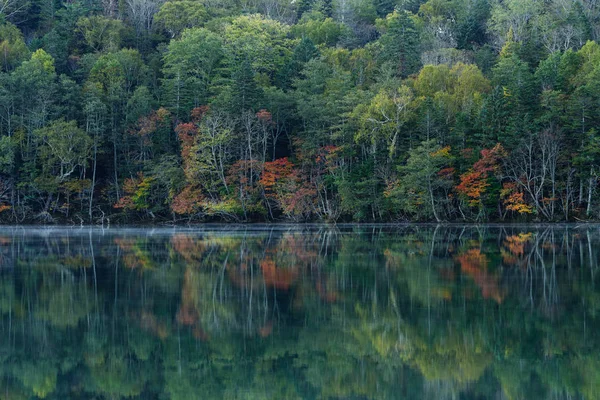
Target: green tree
[(101, 33), (261, 41), (176, 16), (421, 187), (13, 49), (192, 67), (399, 42), (65, 147)]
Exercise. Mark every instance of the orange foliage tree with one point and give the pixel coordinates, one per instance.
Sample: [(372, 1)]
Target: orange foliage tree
[(189, 201), (474, 183), (514, 199), (137, 193), (285, 185)]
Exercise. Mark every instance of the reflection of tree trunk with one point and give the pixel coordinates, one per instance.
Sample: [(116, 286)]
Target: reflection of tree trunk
[(429, 266), (589, 243), (95, 275), (116, 294)]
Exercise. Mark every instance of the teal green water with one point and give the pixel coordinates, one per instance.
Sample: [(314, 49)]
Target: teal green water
[(309, 312)]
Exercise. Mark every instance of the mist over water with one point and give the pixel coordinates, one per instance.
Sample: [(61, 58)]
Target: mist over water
[(300, 312)]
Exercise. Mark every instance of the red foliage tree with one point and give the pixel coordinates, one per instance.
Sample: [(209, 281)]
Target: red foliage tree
[(475, 181), (188, 201), (285, 184)]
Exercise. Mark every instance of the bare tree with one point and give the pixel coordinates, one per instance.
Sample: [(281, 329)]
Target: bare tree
[(142, 13), (109, 7), (10, 8), (532, 167)]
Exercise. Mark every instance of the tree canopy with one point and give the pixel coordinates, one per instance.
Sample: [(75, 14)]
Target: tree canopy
[(204, 98)]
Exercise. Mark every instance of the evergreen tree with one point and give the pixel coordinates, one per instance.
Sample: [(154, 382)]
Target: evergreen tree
[(400, 43), (245, 93)]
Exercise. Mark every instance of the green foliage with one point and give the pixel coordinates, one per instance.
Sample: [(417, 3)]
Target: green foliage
[(421, 186), (319, 29), (7, 158), (258, 40), (101, 33), (13, 50), (176, 16), (346, 90), (399, 42), (191, 68), (64, 148)]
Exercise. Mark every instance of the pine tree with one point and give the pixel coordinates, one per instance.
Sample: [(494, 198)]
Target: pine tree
[(304, 6), (400, 42), (327, 8), (246, 94)]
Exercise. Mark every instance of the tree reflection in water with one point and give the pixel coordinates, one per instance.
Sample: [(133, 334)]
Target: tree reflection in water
[(352, 312)]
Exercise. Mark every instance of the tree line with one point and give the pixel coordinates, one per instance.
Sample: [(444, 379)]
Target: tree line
[(314, 110)]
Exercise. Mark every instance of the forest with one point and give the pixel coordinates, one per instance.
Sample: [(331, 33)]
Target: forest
[(167, 111)]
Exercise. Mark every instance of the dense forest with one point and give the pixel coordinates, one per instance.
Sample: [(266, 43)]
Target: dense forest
[(306, 110)]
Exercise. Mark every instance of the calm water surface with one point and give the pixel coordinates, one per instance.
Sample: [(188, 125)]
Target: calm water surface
[(309, 312)]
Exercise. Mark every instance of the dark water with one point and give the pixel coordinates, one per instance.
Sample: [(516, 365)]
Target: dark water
[(353, 312)]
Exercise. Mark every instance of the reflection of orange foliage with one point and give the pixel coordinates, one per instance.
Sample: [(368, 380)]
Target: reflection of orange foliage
[(199, 334), (125, 244), (266, 329), (448, 274), (133, 257), (188, 314), (516, 243), (280, 278), (325, 293), (474, 264), (515, 248), (295, 246), (190, 248), (150, 323)]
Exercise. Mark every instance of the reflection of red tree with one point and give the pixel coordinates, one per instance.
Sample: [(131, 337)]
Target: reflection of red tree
[(190, 248), (133, 256), (188, 314), (474, 264), (280, 278), (266, 329), (150, 323), (326, 293)]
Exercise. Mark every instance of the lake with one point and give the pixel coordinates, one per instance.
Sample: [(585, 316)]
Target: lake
[(300, 312)]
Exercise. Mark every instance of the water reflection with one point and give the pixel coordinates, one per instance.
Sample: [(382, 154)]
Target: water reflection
[(352, 312)]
